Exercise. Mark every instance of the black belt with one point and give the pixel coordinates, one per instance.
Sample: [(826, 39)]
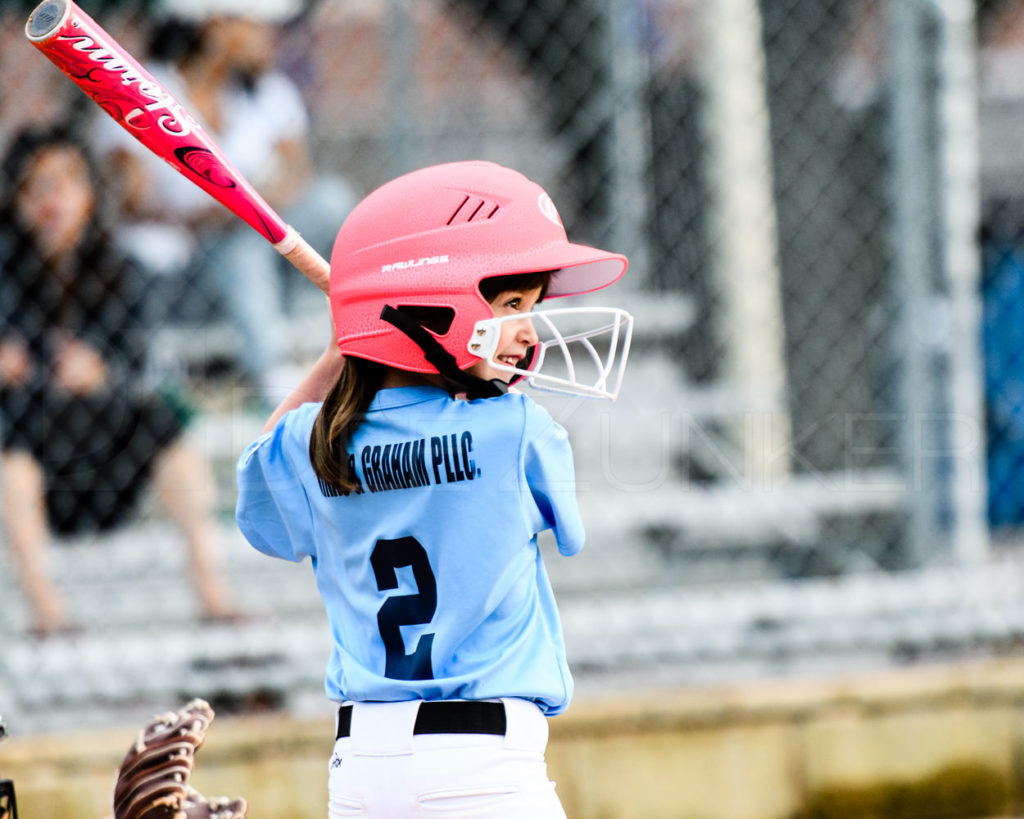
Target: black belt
[(445, 717)]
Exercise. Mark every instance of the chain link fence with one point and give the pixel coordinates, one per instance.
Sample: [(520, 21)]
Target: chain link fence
[(816, 460)]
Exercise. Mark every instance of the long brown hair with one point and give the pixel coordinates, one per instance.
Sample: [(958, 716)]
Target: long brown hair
[(343, 410), (346, 404)]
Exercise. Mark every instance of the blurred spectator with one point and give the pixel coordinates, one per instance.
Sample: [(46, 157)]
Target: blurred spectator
[(1002, 291), (217, 59), (81, 434), (1001, 113)]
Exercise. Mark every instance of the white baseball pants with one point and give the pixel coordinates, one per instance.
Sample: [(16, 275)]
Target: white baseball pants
[(384, 769)]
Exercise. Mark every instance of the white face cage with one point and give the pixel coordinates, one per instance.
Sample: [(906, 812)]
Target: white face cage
[(567, 359)]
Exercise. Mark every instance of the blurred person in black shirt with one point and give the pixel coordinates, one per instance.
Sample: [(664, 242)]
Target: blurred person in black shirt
[(80, 433)]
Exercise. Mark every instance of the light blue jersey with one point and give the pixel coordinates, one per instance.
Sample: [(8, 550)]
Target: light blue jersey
[(430, 572)]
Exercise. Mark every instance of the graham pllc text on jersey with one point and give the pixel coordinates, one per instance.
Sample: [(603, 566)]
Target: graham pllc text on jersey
[(404, 464)]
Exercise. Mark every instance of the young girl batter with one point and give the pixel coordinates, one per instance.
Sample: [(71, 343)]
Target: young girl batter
[(417, 483)]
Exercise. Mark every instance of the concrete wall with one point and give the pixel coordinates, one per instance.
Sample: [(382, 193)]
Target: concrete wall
[(753, 751)]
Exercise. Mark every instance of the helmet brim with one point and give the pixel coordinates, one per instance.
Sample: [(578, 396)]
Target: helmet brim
[(581, 269)]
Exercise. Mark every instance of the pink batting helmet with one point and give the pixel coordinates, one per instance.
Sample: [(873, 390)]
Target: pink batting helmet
[(424, 241)]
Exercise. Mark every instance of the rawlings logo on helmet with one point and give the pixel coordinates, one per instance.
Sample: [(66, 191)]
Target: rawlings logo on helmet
[(420, 262)]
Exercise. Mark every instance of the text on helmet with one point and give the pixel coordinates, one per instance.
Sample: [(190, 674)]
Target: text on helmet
[(420, 262)]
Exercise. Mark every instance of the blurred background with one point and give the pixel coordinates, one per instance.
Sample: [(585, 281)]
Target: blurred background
[(816, 465)]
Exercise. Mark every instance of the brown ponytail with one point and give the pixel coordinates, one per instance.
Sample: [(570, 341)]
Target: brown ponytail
[(343, 410)]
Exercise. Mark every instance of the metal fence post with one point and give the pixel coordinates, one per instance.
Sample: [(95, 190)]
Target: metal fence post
[(399, 47), (911, 236), (958, 129), (744, 232), (629, 70)]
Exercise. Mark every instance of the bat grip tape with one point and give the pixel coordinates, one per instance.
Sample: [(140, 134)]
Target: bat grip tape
[(310, 263)]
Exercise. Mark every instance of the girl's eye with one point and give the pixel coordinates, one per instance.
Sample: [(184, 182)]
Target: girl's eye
[(514, 304)]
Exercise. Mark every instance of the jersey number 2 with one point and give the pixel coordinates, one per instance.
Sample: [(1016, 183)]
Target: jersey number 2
[(405, 609)]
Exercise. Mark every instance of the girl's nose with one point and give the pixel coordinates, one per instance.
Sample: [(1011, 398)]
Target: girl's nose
[(525, 332)]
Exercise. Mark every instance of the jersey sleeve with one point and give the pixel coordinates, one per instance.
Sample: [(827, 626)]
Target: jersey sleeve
[(273, 511), (551, 478)]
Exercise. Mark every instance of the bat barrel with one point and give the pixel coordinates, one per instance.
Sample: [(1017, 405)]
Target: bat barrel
[(138, 102), (47, 17)]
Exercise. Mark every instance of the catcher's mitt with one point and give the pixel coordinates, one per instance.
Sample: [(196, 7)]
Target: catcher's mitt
[(152, 782)]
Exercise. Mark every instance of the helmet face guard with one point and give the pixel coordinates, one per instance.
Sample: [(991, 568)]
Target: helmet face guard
[(580, 350)]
